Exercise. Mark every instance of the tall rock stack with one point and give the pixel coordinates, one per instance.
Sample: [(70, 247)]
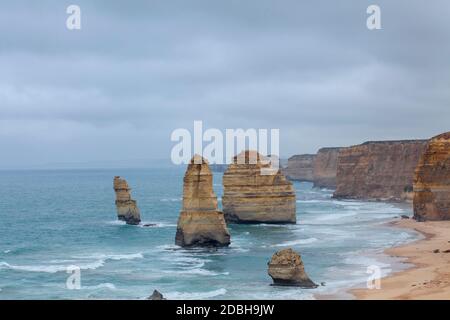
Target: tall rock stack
[(432, 181), (200, 223), (325, 167), (250, 196), (378, 170), (127, 209), (300, 167)]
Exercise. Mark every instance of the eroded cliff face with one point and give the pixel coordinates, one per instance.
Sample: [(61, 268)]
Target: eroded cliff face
[(252, 197), (325, 168), (300, 167), (127, 209), (432, 181), (378, 170), (200, 222)]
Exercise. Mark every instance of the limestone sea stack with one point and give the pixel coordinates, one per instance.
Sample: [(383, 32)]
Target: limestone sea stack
[(251, 195), (378, 170), (286, 269), (325, 167), (300, 167), (127, 209), (200, 222), (432, 181)]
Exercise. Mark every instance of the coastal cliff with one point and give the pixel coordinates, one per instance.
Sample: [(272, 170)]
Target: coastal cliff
[(325, 167), (127, 209), (300, 167), (200, 223), (432, 181), (378, 170), (252, 197)]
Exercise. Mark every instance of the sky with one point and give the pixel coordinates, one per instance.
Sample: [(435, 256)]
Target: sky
[(117, 88)]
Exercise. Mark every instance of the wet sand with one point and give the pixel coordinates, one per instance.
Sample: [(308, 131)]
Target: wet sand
[(429, 278)]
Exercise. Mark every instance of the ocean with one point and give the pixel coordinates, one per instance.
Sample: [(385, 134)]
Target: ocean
[(52, 220)]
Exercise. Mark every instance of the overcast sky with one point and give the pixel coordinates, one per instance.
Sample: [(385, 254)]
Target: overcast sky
[(117, 88)]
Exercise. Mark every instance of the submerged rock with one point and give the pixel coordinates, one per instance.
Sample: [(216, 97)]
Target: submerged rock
[(286, 269), (200, 222), (255, 193), (156, 295), (127, 209), (432, 181)]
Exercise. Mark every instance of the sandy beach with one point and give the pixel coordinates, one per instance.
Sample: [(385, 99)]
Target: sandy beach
[(430, 276)]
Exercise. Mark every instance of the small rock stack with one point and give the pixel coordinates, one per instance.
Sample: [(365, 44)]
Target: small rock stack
[(286, 269), (432, 181), (253, 195), (127, 209), (200, 223), (156, 295)]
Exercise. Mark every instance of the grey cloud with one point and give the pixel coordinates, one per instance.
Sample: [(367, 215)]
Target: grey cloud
[(142, 69)]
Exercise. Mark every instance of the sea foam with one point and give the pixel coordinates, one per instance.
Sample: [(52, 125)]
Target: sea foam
[(176, 295)]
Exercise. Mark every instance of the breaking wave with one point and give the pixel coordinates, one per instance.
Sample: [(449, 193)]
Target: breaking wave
[(99, 261), (176, 295), (295, 242)]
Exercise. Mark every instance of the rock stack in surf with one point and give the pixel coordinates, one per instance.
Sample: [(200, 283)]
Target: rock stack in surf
[(200, 222), (127, 209), (253, 194), (286, 269)]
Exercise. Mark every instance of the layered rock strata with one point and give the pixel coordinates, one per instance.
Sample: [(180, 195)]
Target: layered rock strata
[(432, 181), (325, 168), (254, 193), (378, 170), (300, 167), (286, 269), (127, 209), (200, 222)]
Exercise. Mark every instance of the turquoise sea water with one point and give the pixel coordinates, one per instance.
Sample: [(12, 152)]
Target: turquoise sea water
[(51, 220)]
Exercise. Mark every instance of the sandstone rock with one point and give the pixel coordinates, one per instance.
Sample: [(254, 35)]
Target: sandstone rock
[(251, 196), (286, 269), (200, 223), (432, 181), (325, 168), (300, 167), (378, 170), (156, 295), (127, 209)]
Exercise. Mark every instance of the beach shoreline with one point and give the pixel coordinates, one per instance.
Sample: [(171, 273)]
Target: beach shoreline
[(429, 276)]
